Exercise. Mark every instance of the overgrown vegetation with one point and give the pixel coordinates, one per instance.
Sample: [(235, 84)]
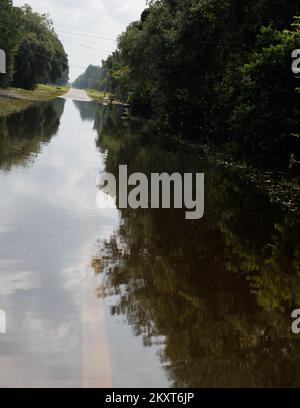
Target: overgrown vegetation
[(215, 71)]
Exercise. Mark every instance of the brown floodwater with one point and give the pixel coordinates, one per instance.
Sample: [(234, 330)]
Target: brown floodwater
[(130, 298)]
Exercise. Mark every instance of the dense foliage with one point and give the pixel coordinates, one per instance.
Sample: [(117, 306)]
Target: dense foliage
[(9, 37), (34, 52), (218, 71)]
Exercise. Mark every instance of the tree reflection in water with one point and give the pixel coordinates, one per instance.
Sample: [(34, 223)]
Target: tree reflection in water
[(219, 292), (23, 134)]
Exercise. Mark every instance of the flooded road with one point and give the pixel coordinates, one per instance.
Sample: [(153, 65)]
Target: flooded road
[(136, 297), (77, 95), (49, 225)]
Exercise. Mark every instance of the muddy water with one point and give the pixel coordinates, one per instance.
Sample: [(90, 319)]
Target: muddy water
[(136, 297)]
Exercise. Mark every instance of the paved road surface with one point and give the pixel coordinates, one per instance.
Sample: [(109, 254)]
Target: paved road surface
[(77, 95)]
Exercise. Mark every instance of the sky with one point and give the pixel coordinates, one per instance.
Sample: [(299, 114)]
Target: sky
[(78, 22)]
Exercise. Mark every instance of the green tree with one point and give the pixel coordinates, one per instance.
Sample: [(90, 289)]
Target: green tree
[(265, 116), (9, 37), (90, 79), (41, 57), (205, 69)]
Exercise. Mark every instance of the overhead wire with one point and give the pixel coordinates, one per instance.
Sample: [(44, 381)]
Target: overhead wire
[(85, 35)]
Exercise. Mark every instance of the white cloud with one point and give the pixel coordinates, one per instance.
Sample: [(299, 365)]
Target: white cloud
[(97, 18)]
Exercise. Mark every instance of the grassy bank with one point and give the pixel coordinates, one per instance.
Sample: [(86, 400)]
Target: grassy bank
[(97, 95), (101, 96), (14, 100)]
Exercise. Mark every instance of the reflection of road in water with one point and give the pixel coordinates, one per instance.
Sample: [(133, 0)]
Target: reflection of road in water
[(49, 223)]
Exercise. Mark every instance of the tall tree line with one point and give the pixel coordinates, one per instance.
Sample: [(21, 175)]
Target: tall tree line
[(90, 79), (214, 70), (33, 51)]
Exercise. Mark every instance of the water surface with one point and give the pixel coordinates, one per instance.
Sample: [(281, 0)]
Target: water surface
[(136, 297)]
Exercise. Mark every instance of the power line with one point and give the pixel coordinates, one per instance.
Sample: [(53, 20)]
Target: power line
[(84, 45), (85, 35)]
